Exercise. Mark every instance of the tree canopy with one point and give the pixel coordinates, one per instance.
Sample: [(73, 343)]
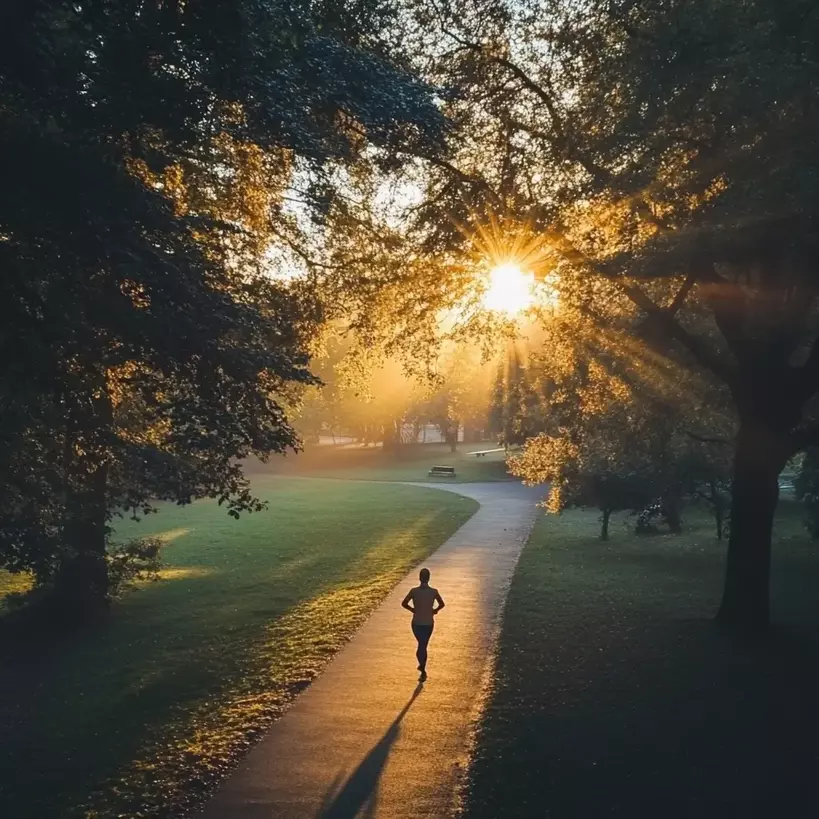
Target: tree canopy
[(651, 161), (150, 153), (657, 157)]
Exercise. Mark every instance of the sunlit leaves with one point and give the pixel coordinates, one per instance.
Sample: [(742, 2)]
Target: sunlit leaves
[(148, 152)]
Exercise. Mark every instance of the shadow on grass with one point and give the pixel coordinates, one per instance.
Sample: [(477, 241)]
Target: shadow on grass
[(686, 721), (81, 702), (617, 696)]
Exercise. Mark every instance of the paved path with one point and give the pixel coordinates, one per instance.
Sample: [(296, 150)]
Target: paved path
[(366, 739)]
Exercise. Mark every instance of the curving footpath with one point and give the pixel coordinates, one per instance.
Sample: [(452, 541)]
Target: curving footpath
[(366, 739)]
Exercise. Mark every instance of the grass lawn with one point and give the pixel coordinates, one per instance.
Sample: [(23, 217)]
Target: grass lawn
[(411, 464), (616, 696), (146, 711)]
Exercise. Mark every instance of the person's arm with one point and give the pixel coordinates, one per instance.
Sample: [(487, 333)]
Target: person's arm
[(406, 601), (440, 601)]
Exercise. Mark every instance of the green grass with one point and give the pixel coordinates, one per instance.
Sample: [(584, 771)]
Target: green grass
[(616, 696), (146, 711), (412, 463)]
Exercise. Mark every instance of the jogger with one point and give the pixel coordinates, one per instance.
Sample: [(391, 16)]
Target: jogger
[(423, 608)]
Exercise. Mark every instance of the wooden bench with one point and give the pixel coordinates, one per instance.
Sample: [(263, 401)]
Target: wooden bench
[(485, 452), (442, 472)]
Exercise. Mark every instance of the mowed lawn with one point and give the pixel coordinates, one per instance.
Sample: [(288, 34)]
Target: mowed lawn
[(411, 463), (616, 696), (141, 715)]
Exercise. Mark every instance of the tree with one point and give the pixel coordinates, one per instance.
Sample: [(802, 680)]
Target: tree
[(366, 394), (706, 470), (516, 404), (459, 393), (615, 436), (583, 474), (662, 148), (628, 453), (149, 153)]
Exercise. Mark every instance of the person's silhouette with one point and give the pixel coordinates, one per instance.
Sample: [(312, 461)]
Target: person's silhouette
[(423, 599)]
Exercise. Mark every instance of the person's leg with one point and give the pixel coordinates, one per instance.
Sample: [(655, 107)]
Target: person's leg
[(422, 635), (421, 649)]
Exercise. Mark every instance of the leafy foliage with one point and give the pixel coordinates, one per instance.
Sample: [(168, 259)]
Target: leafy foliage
[(515, 401), (656, 156), (620, 433), (147, 151), (133, 561)]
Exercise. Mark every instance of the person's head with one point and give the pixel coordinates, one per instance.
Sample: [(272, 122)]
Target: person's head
[(424, 575)]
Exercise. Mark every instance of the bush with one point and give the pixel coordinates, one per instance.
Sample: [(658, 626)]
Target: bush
[(646, 520), (131, 562)]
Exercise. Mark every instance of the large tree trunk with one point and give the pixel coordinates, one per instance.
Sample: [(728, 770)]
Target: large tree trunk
[(758, 460), (81, 583)]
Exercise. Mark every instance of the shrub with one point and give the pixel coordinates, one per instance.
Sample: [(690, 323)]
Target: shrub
[(131, 562)]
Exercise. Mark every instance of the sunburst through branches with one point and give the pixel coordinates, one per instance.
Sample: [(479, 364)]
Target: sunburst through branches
[(517, 267)]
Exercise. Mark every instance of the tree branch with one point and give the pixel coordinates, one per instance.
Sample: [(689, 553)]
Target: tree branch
[(704, 439), (703, 354), (664, 319), (303, 253), (545, 97), (682, 295), (729, 303), (463, 177)]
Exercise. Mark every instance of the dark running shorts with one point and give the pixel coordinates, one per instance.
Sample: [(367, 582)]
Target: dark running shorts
[(422, 633)]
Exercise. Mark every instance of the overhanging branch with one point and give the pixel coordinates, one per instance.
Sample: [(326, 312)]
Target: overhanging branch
[(705, 439), (682, 295), (516, 71), (662, 317), (461, 175), (701, 352)]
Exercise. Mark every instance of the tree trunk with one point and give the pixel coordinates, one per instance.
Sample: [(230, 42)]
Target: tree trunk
[(81, 583), (604, 530), (672, 514), (758, 459), (716, 502)]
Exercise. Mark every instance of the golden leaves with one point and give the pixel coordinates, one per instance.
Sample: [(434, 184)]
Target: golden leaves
[(136, 293), (176, 189)]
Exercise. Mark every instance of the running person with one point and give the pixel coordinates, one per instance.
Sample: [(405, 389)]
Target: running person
[(423, 599)]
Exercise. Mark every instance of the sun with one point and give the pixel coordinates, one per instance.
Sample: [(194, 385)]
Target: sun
[(509, 289)]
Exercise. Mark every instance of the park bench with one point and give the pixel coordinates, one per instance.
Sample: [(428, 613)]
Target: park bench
[(485, 452), (442, 472)]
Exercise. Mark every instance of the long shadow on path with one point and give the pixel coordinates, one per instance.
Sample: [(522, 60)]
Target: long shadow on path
[(360, 789)]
